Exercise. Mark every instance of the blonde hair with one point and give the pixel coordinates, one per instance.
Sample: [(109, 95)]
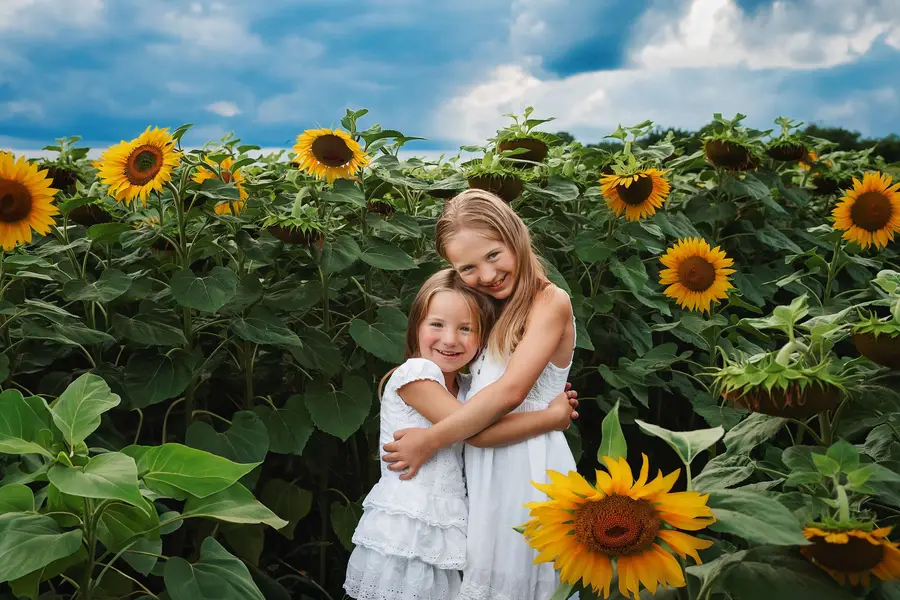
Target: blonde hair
[(481, 307), (489, 215)]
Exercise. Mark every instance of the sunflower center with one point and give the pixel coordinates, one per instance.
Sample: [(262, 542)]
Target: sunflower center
[(616, 525), (856, 556), (143, 164), (636, 193), (871, 211), (15, 201), (696, 274), (226, 176), (331, 151)]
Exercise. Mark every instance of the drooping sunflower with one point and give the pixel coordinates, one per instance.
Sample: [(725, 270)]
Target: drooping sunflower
[(696, 274), (852, 554), (26, 201), (227, 175), (329, 154), (637, 195), (583, 527), (870, 212), (134, 169)]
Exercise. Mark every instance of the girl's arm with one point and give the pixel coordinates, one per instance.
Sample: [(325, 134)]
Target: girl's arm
[(435, 403), (548, 320)]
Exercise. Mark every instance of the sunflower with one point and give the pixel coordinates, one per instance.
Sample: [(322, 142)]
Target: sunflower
[(696, 274), (329, 154), (133, 169), (637, 195), (582, 527), (227, 174), (224, 208), (870, 212), (26, 201), (853, 554)]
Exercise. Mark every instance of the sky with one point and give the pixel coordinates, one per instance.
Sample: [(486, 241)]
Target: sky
[(446, 71)]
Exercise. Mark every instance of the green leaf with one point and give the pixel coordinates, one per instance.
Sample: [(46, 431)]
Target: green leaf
[(77, 411), (344, 192), (234, 504), (263, 327), (25, 425), (755, 518), (216, 576), (111, 476), (387, 257), (29, 542), (339, 413), (175, 471), (856, 479), (28, 586), (826, 465), (120, 523), (245, 441), (289, 427), (845, 455), (339, 253), (612, 442), (148, 332), (775, 239), (16, 498), (107, 233), (151, 378), (687, 444), (723, 472), (288, 501), (318, 352), (206, 294), (631, 272), (344, 519), (751, 432), (112, 284), (384, 340), (780, 576), (563, 591), (591, 246)]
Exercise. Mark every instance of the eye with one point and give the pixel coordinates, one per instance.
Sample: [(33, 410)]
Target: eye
[(466, 329), (434, 324), (465, 269), (493, 255)]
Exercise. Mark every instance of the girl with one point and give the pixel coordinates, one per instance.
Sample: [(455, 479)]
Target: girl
[(411, 539), (525, 365)]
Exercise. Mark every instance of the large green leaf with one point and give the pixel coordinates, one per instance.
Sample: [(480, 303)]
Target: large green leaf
[(384, 340), (77, 411), (722, 472), (245, 441), (28, 586), (151, 378), (111, 284), (387, 257), (339, 413), (16, 498), (344, 519), (288, 501), (263, 327), (109, 476), (612, 442), (687, 444), (25, 425), (318, 352), (234, 504), (755, 518), (591, 246), (289, 427), (147, 331), (339, 253), (118, 526), (175, 471), (631, 272), (216, 576), (751, 432), (29, 542), (207, 294)]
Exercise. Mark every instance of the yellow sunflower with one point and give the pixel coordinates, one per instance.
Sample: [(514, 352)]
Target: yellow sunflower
[(133, 169), (638, 195), (329, 154), (853, 555), (227, 175), (696, 274), (224, 208), (26, 201), (583, 527), (870, 212)]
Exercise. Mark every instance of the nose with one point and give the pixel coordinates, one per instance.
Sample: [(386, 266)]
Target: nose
[(487, 276), (449, 337)]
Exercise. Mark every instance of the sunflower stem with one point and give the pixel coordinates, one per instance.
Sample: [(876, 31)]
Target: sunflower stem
[(825, 430), (833, 269), (843, 504)]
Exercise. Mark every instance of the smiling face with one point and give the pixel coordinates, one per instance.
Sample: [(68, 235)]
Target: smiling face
[(447, 335), (483, 263)]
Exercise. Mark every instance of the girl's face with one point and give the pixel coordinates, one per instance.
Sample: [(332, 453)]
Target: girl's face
[(483, 263), (447, 334)]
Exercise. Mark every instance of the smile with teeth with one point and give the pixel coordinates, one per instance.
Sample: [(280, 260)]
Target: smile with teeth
[(447, 354), (498, 283)]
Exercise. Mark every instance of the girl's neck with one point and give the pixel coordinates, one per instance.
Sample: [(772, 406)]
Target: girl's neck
[(450, 381)]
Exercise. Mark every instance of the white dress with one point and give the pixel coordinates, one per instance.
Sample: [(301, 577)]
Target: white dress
[(411, 539), (500, 563)]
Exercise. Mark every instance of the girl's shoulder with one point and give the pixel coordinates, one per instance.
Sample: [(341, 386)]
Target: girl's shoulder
[(554, 299), (415, 369)]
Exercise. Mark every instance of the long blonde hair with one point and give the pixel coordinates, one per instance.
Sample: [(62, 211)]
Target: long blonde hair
[(489, 215), (482, 308)]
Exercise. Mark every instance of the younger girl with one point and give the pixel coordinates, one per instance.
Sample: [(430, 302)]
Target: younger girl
[(525, 366), (411, 539)]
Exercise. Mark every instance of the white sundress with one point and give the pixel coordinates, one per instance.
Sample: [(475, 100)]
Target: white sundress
[(411, 540), (500, 563)]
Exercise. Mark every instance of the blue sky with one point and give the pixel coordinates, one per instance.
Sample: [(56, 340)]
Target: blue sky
[(448, 71)]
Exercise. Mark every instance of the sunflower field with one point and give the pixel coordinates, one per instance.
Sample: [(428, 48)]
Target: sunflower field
[(192, 341)]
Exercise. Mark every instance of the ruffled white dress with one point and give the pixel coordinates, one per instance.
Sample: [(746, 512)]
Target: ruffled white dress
[(500, 563), (411, 539)]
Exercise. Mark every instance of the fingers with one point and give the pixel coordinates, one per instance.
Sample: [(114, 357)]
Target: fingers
[(573, 402), (398, 466), (568, 386), (571, 393), (400, 433), (390, 447), (409, 474), (574, 414), (391, 457)]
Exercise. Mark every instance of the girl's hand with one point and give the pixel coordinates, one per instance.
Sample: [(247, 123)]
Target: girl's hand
[(410, 450), (562, 408)]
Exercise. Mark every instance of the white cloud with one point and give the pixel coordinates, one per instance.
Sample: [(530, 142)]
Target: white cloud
[(30, 17), (223, 108), (202, 29), (18, 109)]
